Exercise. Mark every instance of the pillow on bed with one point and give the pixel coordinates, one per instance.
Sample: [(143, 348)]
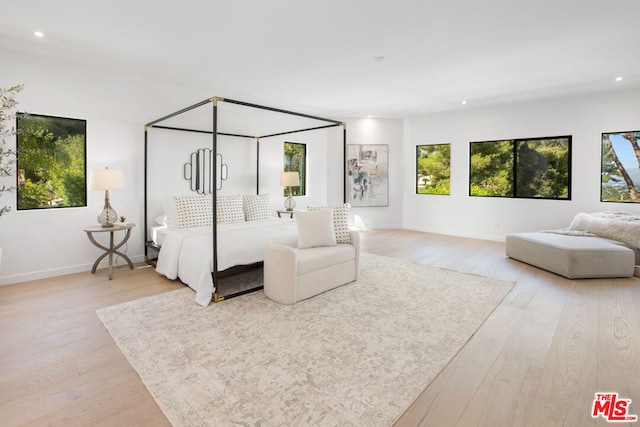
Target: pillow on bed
[(169, 208), (340, 221), (229, 208), (257, 206), (315, 228), (161, 220), (194, 211)]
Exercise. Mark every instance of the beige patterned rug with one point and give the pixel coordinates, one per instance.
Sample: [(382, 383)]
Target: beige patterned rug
[(354, 356)]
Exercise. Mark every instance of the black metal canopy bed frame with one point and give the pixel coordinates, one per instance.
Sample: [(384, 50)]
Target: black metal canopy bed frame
[(216, 164)]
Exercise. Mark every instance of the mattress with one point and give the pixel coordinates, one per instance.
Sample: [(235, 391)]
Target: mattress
[(158, 233), (187, 254)]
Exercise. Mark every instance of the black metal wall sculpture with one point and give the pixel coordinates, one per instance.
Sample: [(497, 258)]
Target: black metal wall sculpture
[(199, 171)]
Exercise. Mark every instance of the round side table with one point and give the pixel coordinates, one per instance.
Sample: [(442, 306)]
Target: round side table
[(112, 248)]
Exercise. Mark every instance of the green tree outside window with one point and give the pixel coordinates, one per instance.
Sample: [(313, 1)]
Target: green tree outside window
[(433, 168), (295, 160), (521, 168), (51, 162)]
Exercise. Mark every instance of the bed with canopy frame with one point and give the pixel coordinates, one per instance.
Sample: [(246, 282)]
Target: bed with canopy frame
[(206, 169)]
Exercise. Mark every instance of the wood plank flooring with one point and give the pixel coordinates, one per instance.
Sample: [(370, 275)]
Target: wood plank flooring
[(536, 361), (59, 365)]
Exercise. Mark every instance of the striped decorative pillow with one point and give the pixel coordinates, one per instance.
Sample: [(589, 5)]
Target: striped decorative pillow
[(340, 221)]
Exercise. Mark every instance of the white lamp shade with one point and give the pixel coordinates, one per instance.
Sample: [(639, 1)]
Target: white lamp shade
[(107, 179), (289, 179)]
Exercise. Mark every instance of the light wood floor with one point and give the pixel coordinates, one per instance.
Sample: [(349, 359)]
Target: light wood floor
[(536, 361)]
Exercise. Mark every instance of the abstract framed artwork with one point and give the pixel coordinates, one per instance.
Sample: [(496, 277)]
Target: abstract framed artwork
[(433, 169), (620, 173), (367, 175)]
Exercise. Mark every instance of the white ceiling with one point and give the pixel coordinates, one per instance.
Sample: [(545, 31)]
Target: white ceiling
[(318, 57)]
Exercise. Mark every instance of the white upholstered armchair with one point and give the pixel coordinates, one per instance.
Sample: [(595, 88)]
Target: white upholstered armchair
[(294, 274)]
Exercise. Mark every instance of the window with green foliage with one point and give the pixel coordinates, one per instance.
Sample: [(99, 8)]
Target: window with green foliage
[(295, 160), (620, 177), (51, 162), (522, 168), (433, 169)]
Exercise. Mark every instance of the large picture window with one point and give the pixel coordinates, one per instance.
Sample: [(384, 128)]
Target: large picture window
[(433, 169), (51, 162), (523, 168), (295, 160)]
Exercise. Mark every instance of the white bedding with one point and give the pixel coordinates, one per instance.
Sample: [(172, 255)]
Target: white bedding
[(188, 253), (158, 233)]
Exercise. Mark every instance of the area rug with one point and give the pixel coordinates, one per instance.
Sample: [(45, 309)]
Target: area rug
[(354, 356)]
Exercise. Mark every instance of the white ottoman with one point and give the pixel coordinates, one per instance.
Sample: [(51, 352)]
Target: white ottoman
[(293, 274), (574, 257)]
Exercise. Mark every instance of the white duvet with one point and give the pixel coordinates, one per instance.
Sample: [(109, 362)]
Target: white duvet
[(188, 253)]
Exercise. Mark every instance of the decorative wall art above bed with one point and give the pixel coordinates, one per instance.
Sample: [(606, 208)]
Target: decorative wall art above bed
[(208, 240), (199, 171), (620, 175)]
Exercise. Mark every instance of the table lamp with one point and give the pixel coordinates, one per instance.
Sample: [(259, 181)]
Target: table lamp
[(107, 179), (289, 179)]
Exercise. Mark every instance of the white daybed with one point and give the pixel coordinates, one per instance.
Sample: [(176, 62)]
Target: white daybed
[(597, 245)]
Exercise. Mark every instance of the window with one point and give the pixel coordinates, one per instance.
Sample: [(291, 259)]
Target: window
[(433, 169), (620, 177), (295, 160), (51, 162), (521, 168)]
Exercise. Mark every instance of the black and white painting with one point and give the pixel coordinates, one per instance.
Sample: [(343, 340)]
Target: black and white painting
[(367, 175)]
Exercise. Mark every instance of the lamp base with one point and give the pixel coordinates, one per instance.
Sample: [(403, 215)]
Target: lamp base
[(108, 216), (289, 203)]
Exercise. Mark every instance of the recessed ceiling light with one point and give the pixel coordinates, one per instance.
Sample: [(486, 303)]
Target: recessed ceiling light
[(618, 79), (464, 102), (380, 58), (38, 34)]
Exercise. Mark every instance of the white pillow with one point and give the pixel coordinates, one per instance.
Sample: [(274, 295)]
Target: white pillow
[(229, 208), (257, 206), (194, 211), (161, 220), (340, 221), (169, 208), (315, 228)]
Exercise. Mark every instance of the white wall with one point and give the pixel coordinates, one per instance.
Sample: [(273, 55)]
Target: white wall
[(44, 243), (584, 117), (390, 132), (40, 244), (169, 150), (318, 143)]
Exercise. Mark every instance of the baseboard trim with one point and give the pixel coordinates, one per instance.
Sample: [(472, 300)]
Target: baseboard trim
[(379, 227), (54, 272), (455, 233)]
